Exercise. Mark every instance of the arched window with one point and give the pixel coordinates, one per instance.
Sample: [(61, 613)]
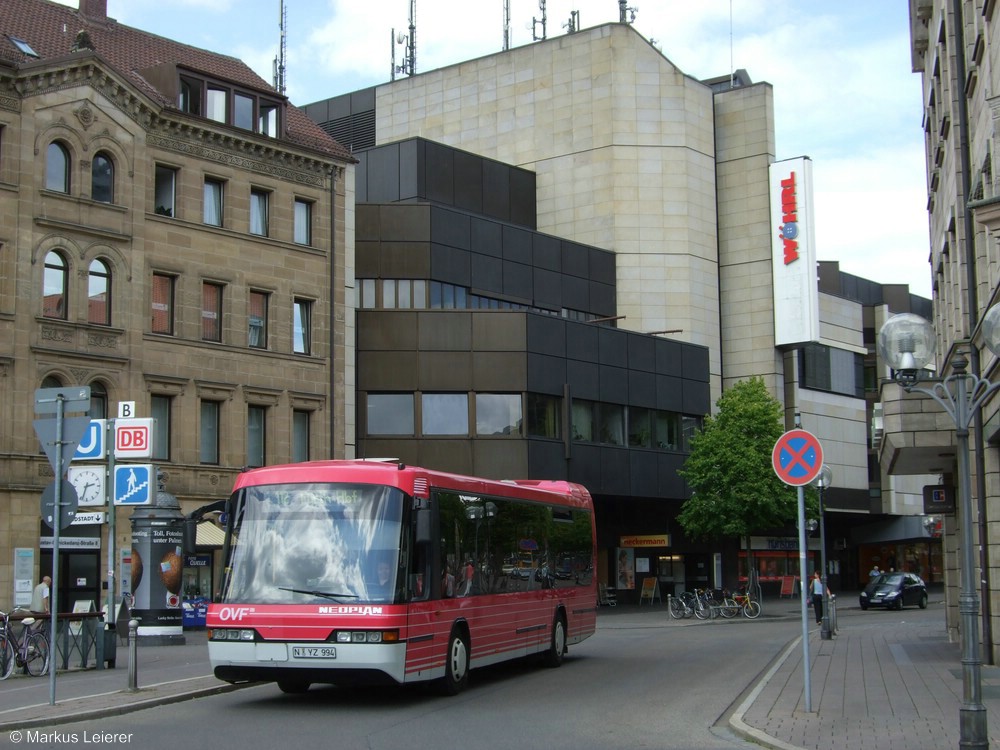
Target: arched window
[(54, 302), (99, 294), (57, 168), (102, 178), (51, 381)]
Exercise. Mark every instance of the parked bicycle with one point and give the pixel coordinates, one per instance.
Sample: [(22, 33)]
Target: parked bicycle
[(29, 651), (734, 604), (681, 607)]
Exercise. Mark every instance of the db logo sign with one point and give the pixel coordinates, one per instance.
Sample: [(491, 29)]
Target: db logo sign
[(134, 438)]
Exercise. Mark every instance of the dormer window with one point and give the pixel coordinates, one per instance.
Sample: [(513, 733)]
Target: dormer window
[(229, 104)]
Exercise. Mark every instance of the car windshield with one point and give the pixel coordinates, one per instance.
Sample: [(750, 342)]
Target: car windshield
[(305, 543), (892, 579)]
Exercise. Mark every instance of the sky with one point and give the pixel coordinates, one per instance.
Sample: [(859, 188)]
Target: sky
[(844, 91)]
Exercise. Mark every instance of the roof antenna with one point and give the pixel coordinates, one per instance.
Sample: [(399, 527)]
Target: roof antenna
[(409, 65), (573, 24), (506, 25), (624, 11), (535, 22), (279, 61)]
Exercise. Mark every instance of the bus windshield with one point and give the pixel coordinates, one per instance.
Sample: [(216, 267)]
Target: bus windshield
[(309, 543)]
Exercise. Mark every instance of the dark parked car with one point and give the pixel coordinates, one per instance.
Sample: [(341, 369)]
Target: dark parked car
[(894, 591)]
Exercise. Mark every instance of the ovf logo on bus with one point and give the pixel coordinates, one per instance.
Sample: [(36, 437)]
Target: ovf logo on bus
[(134, 438)]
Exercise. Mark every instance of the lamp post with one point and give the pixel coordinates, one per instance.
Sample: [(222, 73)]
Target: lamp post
[(822, 482), (907, 343)]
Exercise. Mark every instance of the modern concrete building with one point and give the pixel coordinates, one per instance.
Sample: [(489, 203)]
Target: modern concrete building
[(173, 233), (670, 174)]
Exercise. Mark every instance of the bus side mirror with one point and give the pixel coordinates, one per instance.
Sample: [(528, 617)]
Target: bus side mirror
[(423, 528)]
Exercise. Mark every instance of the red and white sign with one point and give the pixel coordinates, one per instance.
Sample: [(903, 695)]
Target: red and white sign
[(134, 438)]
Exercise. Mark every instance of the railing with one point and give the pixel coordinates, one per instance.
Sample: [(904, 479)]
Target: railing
[(81, 639)]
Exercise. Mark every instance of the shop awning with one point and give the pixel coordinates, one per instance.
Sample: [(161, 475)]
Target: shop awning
[(209, 535)]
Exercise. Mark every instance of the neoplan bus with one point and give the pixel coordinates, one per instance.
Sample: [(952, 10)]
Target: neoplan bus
[(368, 572)]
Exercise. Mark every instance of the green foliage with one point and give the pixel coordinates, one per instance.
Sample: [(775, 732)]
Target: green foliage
[(736, 491)]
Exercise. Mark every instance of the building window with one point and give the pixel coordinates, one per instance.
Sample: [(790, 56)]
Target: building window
[(640, 433), (368, 294), (498, 414), (211, 311), (99, 293), (165, 191), (444, 414), (216, 104), (303, 222), (583, 420), (190, 96), (57, 168), (300, 436), (390, 413), (690, 426), (160, 407), (256, 429), (448, 296), (98, 401), (208, 437), (54, 294), (267, 120), (258, 212), (258, 320), (667, 430), (212, 205), (102, 179), (243, 111), (302, 333), (544, 416), (824, 368), (163, 304), (22, 45), (612, 423)]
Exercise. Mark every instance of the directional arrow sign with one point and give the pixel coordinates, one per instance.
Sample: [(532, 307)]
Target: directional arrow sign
[(797, 457)]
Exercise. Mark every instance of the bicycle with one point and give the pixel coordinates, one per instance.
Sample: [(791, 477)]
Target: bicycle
[(733, 604), (30, 651), (680, 607)]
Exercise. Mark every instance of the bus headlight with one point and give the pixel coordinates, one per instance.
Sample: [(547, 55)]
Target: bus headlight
[(231, 634)]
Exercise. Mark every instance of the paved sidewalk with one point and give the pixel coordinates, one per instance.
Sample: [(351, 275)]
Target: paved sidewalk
[(886, 681)]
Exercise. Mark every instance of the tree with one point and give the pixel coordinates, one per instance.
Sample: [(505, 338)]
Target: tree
[(735, 489)]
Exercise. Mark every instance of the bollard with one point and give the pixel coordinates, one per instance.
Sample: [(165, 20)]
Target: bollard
[(133, 642)]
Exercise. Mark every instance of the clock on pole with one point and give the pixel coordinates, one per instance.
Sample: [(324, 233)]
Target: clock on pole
[(89, 483)]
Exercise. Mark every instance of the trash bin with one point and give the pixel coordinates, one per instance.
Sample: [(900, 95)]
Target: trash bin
[(110, 645)]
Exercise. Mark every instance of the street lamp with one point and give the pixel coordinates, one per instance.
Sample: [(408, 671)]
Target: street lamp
[(907, 343), (822, 482)]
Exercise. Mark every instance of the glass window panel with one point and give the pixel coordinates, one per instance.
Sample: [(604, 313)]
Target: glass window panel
[(583, 420), (403, 290), (243, 111), (388, 294), (303, 222), (667, 430), (640, 433), (258, 212), (302, 334), (390, 413), (612, 421), (212, 206), (163, 304), (215, 104), (102, 179), (54, 286), (256, 428), (436, 295), (267, 121), (211, 311), (98, 401), (368, 294), (163, 199), (689, 426), (498, 414), (300, 436), (190, 96), (444, 414), (258, 320), (57, 168), (544, 416), (209, 436), (419, 293), (160, 411), (99, 294)]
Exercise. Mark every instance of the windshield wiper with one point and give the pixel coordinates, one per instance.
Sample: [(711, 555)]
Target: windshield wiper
[(324, 594)]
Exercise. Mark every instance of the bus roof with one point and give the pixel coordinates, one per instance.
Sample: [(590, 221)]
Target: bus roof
[(411, 479)]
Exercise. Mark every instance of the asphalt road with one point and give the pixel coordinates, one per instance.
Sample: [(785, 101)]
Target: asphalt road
[(638, 683)]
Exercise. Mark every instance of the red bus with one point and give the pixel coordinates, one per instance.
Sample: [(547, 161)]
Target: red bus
[(361, 572)]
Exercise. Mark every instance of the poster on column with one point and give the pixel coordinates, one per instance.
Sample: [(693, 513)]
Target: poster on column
[(156, 574)]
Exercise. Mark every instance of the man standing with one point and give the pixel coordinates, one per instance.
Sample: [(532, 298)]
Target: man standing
[(40, 597)]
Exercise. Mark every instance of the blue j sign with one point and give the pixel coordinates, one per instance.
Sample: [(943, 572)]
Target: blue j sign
[(92, 446)]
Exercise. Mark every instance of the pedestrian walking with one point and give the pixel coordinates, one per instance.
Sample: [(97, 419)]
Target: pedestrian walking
[(40, 597)]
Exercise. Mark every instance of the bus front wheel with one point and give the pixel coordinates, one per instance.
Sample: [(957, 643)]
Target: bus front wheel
[(553, 656), (456, 664)]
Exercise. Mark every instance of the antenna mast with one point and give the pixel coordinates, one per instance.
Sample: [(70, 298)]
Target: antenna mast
[(535, 22), (409, 65), (624, 11), (279, 61), (506, 24)]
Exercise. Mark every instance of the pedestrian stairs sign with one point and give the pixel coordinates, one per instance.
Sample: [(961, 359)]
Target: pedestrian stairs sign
[(134, 484)]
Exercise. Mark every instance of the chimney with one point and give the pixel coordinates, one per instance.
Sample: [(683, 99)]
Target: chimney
[(94, 10)]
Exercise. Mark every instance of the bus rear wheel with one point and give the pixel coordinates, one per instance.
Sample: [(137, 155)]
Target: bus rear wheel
[(553, 656), (456, 664)]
